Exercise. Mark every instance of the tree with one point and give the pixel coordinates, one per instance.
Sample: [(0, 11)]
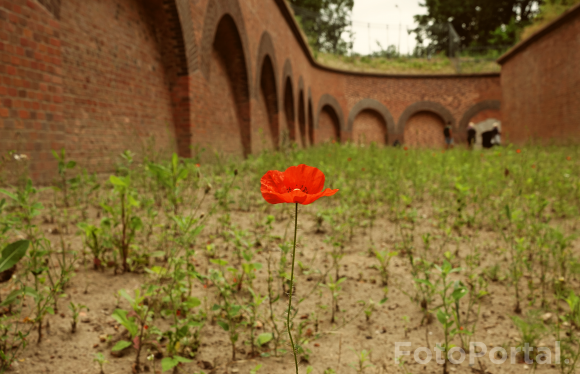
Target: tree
[(478, 23), (325, 22)]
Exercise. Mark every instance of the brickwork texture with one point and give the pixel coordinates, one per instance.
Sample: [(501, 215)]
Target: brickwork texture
[(231, 76)]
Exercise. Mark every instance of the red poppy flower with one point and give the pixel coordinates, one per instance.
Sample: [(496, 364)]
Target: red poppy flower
[(533, 166), (197, 165), (568, 158), (405, 148), (518, 151), (298, 184), (349, 159), (178, 312), (145, 327)]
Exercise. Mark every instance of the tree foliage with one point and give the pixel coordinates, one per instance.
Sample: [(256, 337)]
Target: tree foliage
[(325, 22), (478, 23)]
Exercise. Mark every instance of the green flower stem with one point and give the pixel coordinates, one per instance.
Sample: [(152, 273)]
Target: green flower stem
[(292, 287)]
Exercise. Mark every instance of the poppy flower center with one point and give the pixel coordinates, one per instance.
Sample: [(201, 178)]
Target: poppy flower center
[(301, 188)]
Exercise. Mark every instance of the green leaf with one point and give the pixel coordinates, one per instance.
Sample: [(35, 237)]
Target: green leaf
[(168, 363), (121, 316), (181, 359), (121, 345), (9, 194), (192, 302), (458, 293), (442, 317), (219, 262), (71, 164), (224, 325), (264, 338), (118, 181), (508, 212), (12, 253)]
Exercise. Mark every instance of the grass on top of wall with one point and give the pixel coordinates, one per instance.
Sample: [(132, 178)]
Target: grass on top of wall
[(407, 65)]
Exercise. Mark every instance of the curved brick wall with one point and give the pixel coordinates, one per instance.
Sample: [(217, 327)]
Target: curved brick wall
[(540, 80), (232, 76)]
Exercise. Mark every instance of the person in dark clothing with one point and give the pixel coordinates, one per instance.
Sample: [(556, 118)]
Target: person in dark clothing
[(496, 139), (491, 138), (471, 135), (448, 136)]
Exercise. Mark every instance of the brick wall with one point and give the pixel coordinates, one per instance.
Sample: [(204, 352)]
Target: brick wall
[(328, 128), (369, 127), (100, 77), (31, 90), (540, 79), (425, 129)]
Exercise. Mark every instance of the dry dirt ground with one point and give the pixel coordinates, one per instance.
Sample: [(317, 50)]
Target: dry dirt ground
[(63, 352)]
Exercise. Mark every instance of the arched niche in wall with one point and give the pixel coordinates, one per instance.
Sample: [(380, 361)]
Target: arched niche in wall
[(330, 120), (422, 124), (369, 121), (310, 119), (225, 63), (267, 112), (289, 108), (180, 58), (302, 113), (479, 112)]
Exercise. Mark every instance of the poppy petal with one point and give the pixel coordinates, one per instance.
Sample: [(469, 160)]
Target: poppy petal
[(306, 178), (273, 181), (300, 184), (314, 197)]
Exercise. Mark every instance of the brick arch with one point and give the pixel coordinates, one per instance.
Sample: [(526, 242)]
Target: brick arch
[(215, 11), (266, 48), (189, 43), (331, 101), (231, 82), (53, 6), (301, 112), (424, 106), (370, 104), (173, 18), (268, 87), (310, 119), (477, 108), (288, 100), (331, 107)]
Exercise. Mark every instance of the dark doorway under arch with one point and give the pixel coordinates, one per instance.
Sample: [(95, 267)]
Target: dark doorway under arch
[(289, 110), (302, 118), (229, 83), (269, 95), (310, 123), (328, 125)]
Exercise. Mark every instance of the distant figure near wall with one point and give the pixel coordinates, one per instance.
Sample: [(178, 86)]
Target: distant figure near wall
[(486, 134), (448, 136), (491, 138), (471, 135)]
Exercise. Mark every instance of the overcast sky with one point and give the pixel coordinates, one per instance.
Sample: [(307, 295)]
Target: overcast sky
[(381, 13)]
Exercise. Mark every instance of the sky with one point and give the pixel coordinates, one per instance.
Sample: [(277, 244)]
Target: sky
[(380, 14)]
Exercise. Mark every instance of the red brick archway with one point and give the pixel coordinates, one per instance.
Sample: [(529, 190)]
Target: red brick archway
[(369, 127), (425, 129)]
